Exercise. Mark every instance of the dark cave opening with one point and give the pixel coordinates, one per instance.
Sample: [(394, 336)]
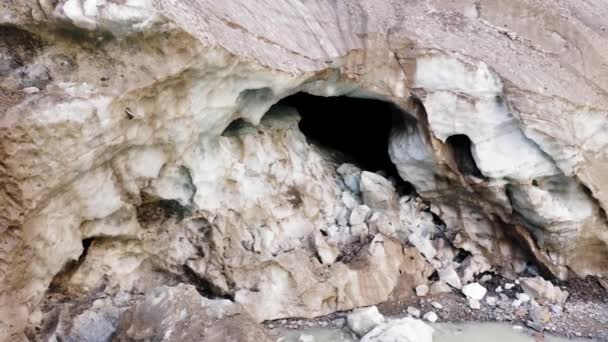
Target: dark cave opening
[(357, 129), (460, 145)]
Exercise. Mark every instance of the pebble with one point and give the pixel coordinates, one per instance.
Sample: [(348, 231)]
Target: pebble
[(437, 305), (431, 317), (518, 327), (474, 291), (509, 286), (536, 326), (498, 289), (30, 90), (486, 278), (491, 300), (474, 304), (422, 290), (524, 298), (557, 310), (516, 303), (413, 311)]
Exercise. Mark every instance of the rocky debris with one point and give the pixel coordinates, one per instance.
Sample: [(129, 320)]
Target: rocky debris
[(363, 320), (540, 289), (180, 314), (474, 291), (403, 330), (422, 290)]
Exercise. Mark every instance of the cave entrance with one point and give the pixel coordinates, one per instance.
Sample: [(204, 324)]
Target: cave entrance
[(355, 130)]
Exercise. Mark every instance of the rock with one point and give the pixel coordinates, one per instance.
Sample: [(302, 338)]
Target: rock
[(450, 277), (437, 305), (31, 90), (557, 310), (485, 278), (359, 215), (349, 200), (180, 314), (516, 303), (439, 287), (474, 291), (536, 326), (377, 192), (359, 230), (540, 289), (413, 312), (522, 297), (474, 304), (472, 266), (402, 330), (422, 290), (498, 289), (431, 317), (509, 286), (363, 320), (540, 314), (306, 338), (351, 175), (490, 300)]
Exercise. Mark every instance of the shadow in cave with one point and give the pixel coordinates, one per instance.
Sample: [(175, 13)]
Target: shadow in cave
[(358, 129)]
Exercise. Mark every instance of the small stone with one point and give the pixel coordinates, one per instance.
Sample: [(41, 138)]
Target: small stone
[(490, 300), (557, 310), (509, 286), (498, 289), (437, 305), (440, 287), (363, 320), (422, 290), (474, 304), (517, 281), (474, 291), (31, 90), (535, 326), (485, 278), (540, 314), (431, 317), (413, 311), (306, 338), (524, 298), (518, 327), (516, 303)]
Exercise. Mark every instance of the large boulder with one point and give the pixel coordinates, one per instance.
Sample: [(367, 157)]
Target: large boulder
[(180, 313)]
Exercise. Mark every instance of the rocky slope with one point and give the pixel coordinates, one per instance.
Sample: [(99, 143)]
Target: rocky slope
[(141, 147)]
